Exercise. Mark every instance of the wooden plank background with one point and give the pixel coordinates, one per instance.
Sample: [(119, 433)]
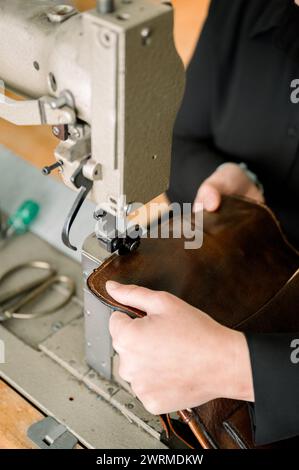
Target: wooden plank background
[(16, 416)]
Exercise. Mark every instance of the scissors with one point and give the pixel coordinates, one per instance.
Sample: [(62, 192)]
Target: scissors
[(14, 299)]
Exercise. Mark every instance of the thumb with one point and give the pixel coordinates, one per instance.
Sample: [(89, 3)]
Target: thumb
[(209, 196)]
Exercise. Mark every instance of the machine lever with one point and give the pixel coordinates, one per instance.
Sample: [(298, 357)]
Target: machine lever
[(85, 186)]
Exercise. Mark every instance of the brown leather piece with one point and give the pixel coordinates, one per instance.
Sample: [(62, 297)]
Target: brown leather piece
[(239, 274), (243, 247)]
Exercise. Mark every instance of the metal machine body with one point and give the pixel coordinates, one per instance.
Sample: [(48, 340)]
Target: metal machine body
[(110, 82), (98, 344)]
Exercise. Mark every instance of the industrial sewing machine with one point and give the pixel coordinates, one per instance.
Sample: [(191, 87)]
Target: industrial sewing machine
[(109, 82)]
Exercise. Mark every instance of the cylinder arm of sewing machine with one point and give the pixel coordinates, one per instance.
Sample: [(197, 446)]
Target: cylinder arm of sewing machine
[(110, 82)]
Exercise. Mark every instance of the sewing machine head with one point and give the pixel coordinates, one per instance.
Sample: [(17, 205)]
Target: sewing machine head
[(110, 83)]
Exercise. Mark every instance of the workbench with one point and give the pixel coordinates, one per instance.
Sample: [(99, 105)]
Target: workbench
[(36, 146)]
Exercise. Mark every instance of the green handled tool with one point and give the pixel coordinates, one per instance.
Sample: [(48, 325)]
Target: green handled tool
[(20, 222)]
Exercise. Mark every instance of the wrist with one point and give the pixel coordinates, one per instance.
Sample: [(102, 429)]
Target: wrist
[(239, 382), (252, 177)]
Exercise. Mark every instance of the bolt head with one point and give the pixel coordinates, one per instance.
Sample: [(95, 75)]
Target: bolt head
[(74, 132), (60, 13), (57, 326), (99, 214), (146, 36), (105, 38), (56, 131)]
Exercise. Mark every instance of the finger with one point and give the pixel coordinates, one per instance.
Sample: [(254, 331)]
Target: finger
[(133, 296), (118, 322), (209, 196), (255, 194)]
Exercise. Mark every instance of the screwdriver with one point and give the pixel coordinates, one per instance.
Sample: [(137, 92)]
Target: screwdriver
[(21, 220)]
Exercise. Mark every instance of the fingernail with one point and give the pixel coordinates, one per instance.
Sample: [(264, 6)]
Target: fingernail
[(112, 285)]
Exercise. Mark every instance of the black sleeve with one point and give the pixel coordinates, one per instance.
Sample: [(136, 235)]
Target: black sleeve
[(195, 155), (275, 368), (192, 163)]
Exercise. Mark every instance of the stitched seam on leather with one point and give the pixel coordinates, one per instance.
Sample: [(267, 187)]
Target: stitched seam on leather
[(235, 434), (205, 431), (281, 290), (227, 421), (106, 263)]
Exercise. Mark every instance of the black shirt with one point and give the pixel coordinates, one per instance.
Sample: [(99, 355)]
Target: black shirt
[(237, 108)]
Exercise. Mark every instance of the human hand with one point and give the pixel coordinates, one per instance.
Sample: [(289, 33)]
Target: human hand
[(229, 179), (177, 357)]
